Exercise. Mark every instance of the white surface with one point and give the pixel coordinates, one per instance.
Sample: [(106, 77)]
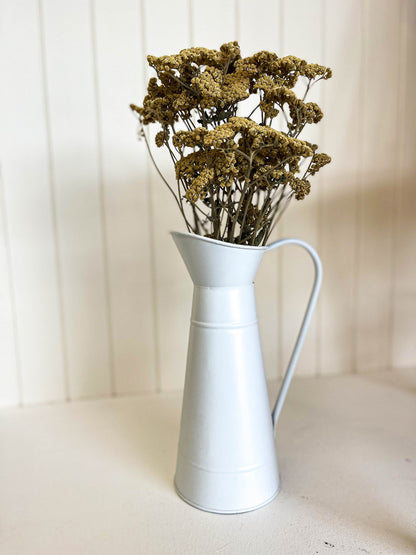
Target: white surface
[(96, 477), (94, 299)]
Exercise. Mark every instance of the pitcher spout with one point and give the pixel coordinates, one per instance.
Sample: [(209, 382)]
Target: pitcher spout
[(213, 263)]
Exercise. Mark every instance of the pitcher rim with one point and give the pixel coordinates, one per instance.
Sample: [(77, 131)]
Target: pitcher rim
[(218, 242)]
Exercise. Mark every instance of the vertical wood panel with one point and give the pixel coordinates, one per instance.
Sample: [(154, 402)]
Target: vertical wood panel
[(339, 184), (76, 176), (404, 298), (210, 30), (124, 165), (93, 294), (252, 16), (303, 31), (167, 32), (379, 153), (10, 393), (28, 204)]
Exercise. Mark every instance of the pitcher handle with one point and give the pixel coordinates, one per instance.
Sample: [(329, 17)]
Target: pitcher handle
[(305, 323)]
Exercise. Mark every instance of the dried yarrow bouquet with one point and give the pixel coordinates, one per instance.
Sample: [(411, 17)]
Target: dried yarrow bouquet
[(235, 175)]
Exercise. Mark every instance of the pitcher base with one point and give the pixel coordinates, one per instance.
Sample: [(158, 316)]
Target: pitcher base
[(226, 511)]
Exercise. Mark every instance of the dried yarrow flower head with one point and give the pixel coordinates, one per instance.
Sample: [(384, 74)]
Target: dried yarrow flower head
[(235, 174)]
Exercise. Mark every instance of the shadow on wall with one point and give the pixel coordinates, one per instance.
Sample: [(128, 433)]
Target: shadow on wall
[(357, 245), (363, 237)]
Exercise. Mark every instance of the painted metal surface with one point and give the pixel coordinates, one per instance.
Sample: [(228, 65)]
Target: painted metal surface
[(226, 457)]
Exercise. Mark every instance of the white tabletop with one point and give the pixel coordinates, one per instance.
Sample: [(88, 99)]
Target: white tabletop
[(95, 477)]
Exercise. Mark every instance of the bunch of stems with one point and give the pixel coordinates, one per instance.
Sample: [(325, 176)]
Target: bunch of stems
[(245, 207)]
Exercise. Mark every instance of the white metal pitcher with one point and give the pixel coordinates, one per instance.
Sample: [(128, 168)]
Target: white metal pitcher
[(226, 454)]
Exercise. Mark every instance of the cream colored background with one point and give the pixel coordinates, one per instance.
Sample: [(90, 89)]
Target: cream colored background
[(94, 299)]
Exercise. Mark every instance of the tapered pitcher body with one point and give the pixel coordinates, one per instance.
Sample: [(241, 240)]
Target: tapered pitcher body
[(226, 459)]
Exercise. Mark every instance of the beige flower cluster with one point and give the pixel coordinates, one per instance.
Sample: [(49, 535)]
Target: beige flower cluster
[(241, 169)]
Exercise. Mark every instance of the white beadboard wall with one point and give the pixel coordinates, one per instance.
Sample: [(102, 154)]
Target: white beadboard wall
[(94, 299)]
